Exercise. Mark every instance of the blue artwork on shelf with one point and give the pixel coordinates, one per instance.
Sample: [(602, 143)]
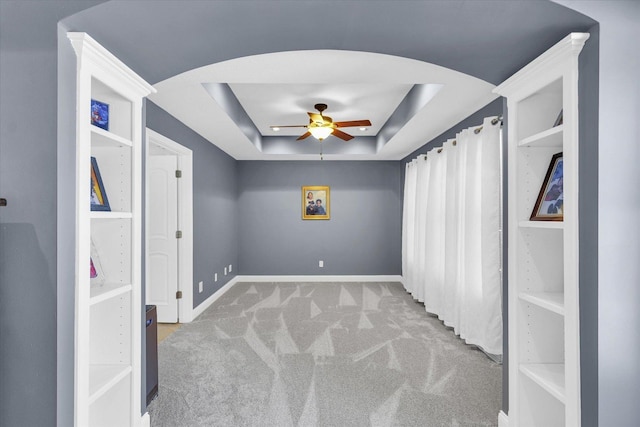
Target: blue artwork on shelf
[(100, 114)]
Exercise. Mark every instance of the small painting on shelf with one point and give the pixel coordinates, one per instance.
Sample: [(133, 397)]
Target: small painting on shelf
[(93, 270), (315, 202), (100, 114), (550, 203), (96, 272), (99, 200)]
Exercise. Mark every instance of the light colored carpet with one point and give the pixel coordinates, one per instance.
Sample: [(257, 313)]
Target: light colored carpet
[(166, 329), (323, 354)]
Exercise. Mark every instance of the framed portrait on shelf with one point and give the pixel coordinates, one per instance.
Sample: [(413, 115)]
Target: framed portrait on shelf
[(550, 203), (99, 200), (100, 114), (315, 202)]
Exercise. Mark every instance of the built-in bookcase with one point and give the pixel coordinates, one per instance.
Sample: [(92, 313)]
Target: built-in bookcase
[(109, 313), (544, 350)]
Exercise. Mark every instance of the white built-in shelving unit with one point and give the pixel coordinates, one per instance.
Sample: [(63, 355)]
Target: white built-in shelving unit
[(108, 312), (544, 345)]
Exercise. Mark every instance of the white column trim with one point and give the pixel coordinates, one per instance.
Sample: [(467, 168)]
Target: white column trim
[(145, 421), (503, 419)]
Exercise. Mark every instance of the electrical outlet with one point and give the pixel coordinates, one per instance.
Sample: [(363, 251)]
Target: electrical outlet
[(225, 271), (215, 277), (320, 263), (230, 268), (200, 286)]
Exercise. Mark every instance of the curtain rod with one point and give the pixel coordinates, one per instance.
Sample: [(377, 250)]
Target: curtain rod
[(477, 130), (494, 122)]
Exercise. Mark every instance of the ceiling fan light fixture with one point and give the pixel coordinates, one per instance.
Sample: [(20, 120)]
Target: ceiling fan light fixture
[(321, 133), (321, 126)]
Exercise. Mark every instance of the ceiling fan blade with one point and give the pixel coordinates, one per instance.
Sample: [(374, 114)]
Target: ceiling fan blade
[(353, 123), (303, 136), (341, 135), (289, 126), (315, 117)]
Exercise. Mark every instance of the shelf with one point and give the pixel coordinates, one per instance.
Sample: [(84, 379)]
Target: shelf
[(109, 309), (103, 138), (104, 292), (552, 301), (548, 138), (548, 376), (104, 377), (550, 225), (110, 215), (543, 256)]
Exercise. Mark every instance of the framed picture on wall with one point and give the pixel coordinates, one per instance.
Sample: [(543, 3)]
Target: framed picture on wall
[(99, 200), (315, 202), (550, 203)]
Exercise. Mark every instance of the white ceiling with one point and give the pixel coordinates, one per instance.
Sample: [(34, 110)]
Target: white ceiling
[(279, 88), (287, 104)]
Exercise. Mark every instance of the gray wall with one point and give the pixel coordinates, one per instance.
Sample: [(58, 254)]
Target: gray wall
[(28, 244), (588, 226), (215, 211), (28, 235), (486, 39), (494, 108), (618, 243), (363, 236)]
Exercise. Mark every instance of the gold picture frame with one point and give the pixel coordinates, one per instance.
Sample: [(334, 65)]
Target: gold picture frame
[(315, 202)]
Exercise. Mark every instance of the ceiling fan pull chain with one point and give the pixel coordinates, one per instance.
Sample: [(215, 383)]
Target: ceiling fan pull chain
[(321, 151)]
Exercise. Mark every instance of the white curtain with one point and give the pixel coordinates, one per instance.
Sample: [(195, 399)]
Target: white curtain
[(451, 248)]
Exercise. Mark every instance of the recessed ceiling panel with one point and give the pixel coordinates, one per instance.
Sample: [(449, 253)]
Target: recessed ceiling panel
[(280, 88), (287, 104)]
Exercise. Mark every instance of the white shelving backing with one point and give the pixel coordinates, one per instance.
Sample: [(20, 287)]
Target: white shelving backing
[(109, 313), (544, 350)]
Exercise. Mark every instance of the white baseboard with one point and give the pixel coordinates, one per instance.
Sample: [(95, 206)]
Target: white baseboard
[(197, 311), (503, 420), (146, 420), (217, 294), (320, 278)]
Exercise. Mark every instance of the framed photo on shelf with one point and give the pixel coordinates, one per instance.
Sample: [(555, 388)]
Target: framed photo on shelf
[(559, 120), (96, 271), (100, 114), (99, 200), (550, 203), (315, 202)]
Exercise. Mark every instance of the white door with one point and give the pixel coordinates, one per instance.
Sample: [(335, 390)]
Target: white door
[(162, 280)]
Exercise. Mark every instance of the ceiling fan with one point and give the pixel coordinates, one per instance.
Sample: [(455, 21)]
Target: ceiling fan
[(322, 126)]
